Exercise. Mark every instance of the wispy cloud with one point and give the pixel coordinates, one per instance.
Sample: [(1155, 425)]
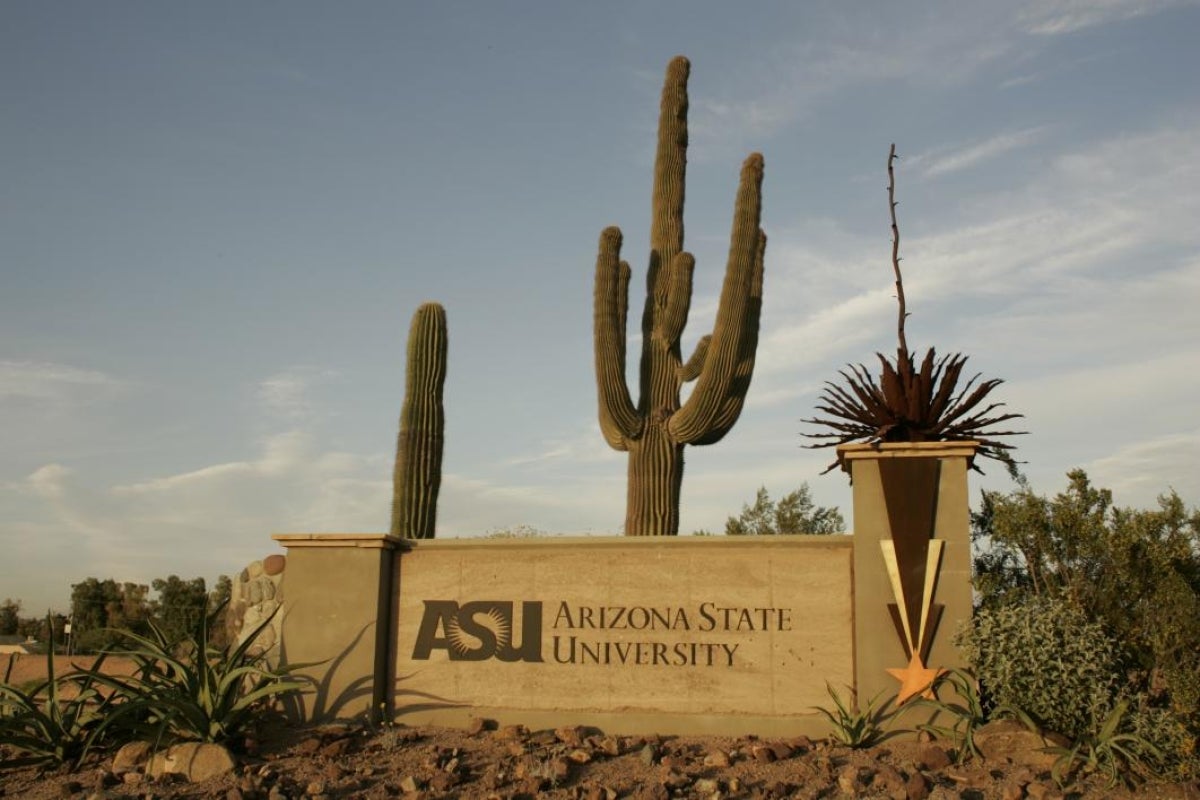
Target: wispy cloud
[(1150, 467), (949, 44), (585, 445), (1058, 17), (287, 394), (800, 76), (955, 159), (53, 383)]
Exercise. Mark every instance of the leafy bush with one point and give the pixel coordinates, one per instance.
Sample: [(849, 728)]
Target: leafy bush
[(1174, 752), (1045, 658)]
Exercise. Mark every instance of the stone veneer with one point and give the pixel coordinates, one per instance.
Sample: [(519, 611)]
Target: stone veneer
[(256, 596)]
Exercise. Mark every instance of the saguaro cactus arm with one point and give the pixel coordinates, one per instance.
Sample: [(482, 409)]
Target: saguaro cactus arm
[(417, 476), (670, 168), (619, 421), (716, 402), (692, 369)]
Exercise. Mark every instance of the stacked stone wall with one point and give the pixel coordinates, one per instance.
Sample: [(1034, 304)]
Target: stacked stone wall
[(256, 596)]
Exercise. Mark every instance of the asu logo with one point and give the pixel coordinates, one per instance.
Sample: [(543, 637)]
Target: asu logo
[(479, 630)]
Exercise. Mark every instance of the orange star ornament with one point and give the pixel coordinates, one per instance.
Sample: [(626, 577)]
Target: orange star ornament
[(916, 680)]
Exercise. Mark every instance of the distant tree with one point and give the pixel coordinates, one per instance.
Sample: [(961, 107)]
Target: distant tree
[(516, 532), (31, 627), (794, 513), (101, 609), (219, 598), (179, 606), (10, 616), (131, 610), (90, 602)]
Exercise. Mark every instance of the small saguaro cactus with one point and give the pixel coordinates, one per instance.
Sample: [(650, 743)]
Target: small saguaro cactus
[(418, 472), (655, 430)]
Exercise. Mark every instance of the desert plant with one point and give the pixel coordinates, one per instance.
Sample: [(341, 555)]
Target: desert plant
[(59, 720), (1110, 750), (656, 429), (1174, 748), (965, 713), (1045, 658), (910, 403), (417, 476), (191, 690), (855, 727)]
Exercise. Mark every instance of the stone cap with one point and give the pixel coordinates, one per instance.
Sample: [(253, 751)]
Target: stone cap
[(369, 541), (959, 449)]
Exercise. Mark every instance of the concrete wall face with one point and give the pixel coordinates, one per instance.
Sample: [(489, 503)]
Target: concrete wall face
[(674, 634), (335, 588)]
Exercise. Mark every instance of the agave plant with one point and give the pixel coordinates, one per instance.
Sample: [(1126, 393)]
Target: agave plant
[(193, 690), (857, 727), (1111, 751), (908, 403), (58, 720)]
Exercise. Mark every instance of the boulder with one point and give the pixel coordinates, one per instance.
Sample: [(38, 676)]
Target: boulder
[(131, 757), (195, 761), (1008, 741)]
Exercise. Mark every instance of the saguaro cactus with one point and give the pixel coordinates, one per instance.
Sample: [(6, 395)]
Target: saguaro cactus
[(655, 431), (418, 472)]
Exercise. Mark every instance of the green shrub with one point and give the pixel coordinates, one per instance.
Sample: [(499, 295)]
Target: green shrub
[(1175, 755), (1045, 658)]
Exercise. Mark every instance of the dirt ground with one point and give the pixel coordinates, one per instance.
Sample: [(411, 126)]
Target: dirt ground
[(511, 762), (28, 668)]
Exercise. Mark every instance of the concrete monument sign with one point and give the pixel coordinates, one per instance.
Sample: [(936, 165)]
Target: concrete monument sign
[(723, 635)]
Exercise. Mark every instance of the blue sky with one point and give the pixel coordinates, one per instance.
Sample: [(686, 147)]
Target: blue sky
[(216, 220)]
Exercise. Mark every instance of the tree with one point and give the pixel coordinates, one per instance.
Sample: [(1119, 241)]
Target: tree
[(795, 513), (219, 598), (101, 609), (90, 602), (31, 628), (9, 616), (180, 605)]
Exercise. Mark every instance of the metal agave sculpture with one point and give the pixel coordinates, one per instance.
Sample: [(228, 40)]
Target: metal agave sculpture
[(908, 403)]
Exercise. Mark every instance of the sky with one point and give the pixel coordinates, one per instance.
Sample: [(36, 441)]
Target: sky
[(216, 220)]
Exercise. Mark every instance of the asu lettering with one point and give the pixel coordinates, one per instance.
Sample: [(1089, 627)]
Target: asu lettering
[(479, 630)]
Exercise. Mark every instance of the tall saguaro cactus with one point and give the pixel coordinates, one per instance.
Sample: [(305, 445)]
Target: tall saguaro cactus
[(418, 472), (655, 430)]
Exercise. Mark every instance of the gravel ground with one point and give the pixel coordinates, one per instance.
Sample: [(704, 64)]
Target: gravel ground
[(511, 762)]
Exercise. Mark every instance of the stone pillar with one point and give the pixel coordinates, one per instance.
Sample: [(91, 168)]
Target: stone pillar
[(912, 562), (337, 611)]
